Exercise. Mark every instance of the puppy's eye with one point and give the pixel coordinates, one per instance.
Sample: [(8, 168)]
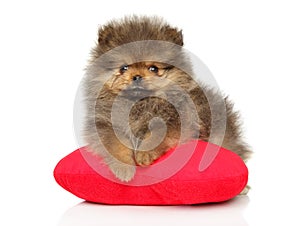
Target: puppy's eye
[(124, 68), (153, 69)]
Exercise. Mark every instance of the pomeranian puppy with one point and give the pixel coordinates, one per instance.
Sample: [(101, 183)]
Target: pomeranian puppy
[(142, 97)]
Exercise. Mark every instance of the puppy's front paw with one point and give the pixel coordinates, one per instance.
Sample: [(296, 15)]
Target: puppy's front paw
[(145, 158), (122, 171)]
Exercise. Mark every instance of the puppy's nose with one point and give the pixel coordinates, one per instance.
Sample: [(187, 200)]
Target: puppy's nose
[(137, 78)]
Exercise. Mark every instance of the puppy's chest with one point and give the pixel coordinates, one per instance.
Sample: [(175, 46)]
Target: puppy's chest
[(143, 112)]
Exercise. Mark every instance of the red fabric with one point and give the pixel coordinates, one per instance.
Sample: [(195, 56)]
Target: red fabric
[(225, 178)]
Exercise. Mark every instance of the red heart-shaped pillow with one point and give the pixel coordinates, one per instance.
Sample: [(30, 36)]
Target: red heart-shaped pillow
[(222, 179)]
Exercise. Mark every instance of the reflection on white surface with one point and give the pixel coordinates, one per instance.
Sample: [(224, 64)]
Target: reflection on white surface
[(226, 213)]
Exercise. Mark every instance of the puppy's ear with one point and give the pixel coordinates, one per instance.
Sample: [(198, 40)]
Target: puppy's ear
[(105, 35), (174, 35)]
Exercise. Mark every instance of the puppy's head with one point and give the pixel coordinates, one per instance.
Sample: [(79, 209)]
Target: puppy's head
[(140, 56)]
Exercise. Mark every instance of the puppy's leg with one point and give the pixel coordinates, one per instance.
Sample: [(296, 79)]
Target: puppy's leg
[(245, 190), (121, 161), (146, 158)]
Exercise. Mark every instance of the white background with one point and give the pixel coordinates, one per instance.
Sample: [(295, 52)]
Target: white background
[(252, 49)]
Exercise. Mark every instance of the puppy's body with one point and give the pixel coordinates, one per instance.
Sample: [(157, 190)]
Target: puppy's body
[(144, 90)]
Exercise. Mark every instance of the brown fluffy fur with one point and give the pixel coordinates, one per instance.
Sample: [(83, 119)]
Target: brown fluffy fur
[(121, 158)]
